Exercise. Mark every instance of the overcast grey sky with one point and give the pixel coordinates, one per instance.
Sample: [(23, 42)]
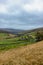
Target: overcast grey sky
[(21, 14)]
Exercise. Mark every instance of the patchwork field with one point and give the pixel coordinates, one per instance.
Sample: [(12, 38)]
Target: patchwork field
[(27, 55), (8, 41)]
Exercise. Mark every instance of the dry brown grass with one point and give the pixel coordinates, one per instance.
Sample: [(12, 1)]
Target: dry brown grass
[(27, 55)]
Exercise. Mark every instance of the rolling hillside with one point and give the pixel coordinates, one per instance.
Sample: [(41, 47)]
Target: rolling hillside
[(9, 30), (9, 40), (18, 31), (27, 55)]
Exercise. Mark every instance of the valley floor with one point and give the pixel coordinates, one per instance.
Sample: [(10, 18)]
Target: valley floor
[(27, 55)]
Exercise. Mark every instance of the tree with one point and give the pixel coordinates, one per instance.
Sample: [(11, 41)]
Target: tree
[(39, 36)]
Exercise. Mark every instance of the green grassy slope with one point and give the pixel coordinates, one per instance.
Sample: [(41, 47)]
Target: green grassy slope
[(8, 41)]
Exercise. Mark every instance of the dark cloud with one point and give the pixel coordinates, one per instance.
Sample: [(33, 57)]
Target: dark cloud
[(21, 14), (22, 21)]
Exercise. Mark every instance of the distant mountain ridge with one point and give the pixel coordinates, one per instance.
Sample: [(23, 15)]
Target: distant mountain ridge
[(17, 31), (37, 29), (8, 30)]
